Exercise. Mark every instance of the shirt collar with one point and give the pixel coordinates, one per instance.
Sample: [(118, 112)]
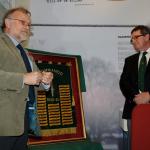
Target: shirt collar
[(13, 39), (148, 51)]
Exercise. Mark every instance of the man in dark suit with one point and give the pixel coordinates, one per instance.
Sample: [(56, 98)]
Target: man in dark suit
[(17, 75), (130, 81)]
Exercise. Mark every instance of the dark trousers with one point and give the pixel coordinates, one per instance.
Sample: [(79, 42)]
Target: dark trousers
[(16, 142)]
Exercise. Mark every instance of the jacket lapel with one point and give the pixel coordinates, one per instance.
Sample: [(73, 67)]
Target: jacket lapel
[(12, 49), (135, 67), (148, 67)]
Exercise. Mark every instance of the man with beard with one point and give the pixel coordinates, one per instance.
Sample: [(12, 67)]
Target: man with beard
[(19, 77)]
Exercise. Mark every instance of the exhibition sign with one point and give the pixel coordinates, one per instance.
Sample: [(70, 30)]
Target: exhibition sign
[(59, 110)]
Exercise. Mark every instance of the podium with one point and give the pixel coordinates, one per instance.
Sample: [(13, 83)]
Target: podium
[(140, 127)]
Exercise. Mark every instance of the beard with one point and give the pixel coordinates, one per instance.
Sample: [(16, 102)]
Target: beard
[(23, 36)]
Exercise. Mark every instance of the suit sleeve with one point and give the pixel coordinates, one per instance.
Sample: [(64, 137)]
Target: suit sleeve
[(127, 85)]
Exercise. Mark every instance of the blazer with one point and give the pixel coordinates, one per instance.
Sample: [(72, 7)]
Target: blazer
[(13, 94), (129, 83)]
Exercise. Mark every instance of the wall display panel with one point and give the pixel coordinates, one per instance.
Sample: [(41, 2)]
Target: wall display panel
[(111, 44)]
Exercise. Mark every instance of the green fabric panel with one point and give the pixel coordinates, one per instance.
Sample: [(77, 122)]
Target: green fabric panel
[(79, 61), (81, 73), (77, 145)]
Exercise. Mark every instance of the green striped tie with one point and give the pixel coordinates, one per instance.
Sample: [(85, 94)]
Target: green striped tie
[(141, 73)]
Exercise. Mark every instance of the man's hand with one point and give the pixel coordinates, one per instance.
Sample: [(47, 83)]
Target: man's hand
[(32, 78), (142, 98), (47, 77)]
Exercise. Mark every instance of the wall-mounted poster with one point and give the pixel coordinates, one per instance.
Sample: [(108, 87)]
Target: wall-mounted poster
[(59, 109)]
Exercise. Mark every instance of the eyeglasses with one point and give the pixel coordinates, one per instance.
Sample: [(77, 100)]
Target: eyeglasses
[(24, 23), (135, 38)]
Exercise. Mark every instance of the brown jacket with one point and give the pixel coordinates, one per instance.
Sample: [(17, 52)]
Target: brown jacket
[(12, 92)]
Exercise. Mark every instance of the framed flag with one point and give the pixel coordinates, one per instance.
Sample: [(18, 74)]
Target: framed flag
[(59, 110)]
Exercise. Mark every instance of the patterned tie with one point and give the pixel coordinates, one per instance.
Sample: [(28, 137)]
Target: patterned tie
[(141, 73), (31, 93)]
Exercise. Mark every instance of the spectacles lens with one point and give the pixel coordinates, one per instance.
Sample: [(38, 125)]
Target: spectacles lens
[(135, 38)]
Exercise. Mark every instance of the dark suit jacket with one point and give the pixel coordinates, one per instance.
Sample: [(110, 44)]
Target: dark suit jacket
[(12, 93), (129, 83)]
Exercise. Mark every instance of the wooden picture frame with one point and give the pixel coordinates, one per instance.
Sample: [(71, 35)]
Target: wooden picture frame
[(60, 110)]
